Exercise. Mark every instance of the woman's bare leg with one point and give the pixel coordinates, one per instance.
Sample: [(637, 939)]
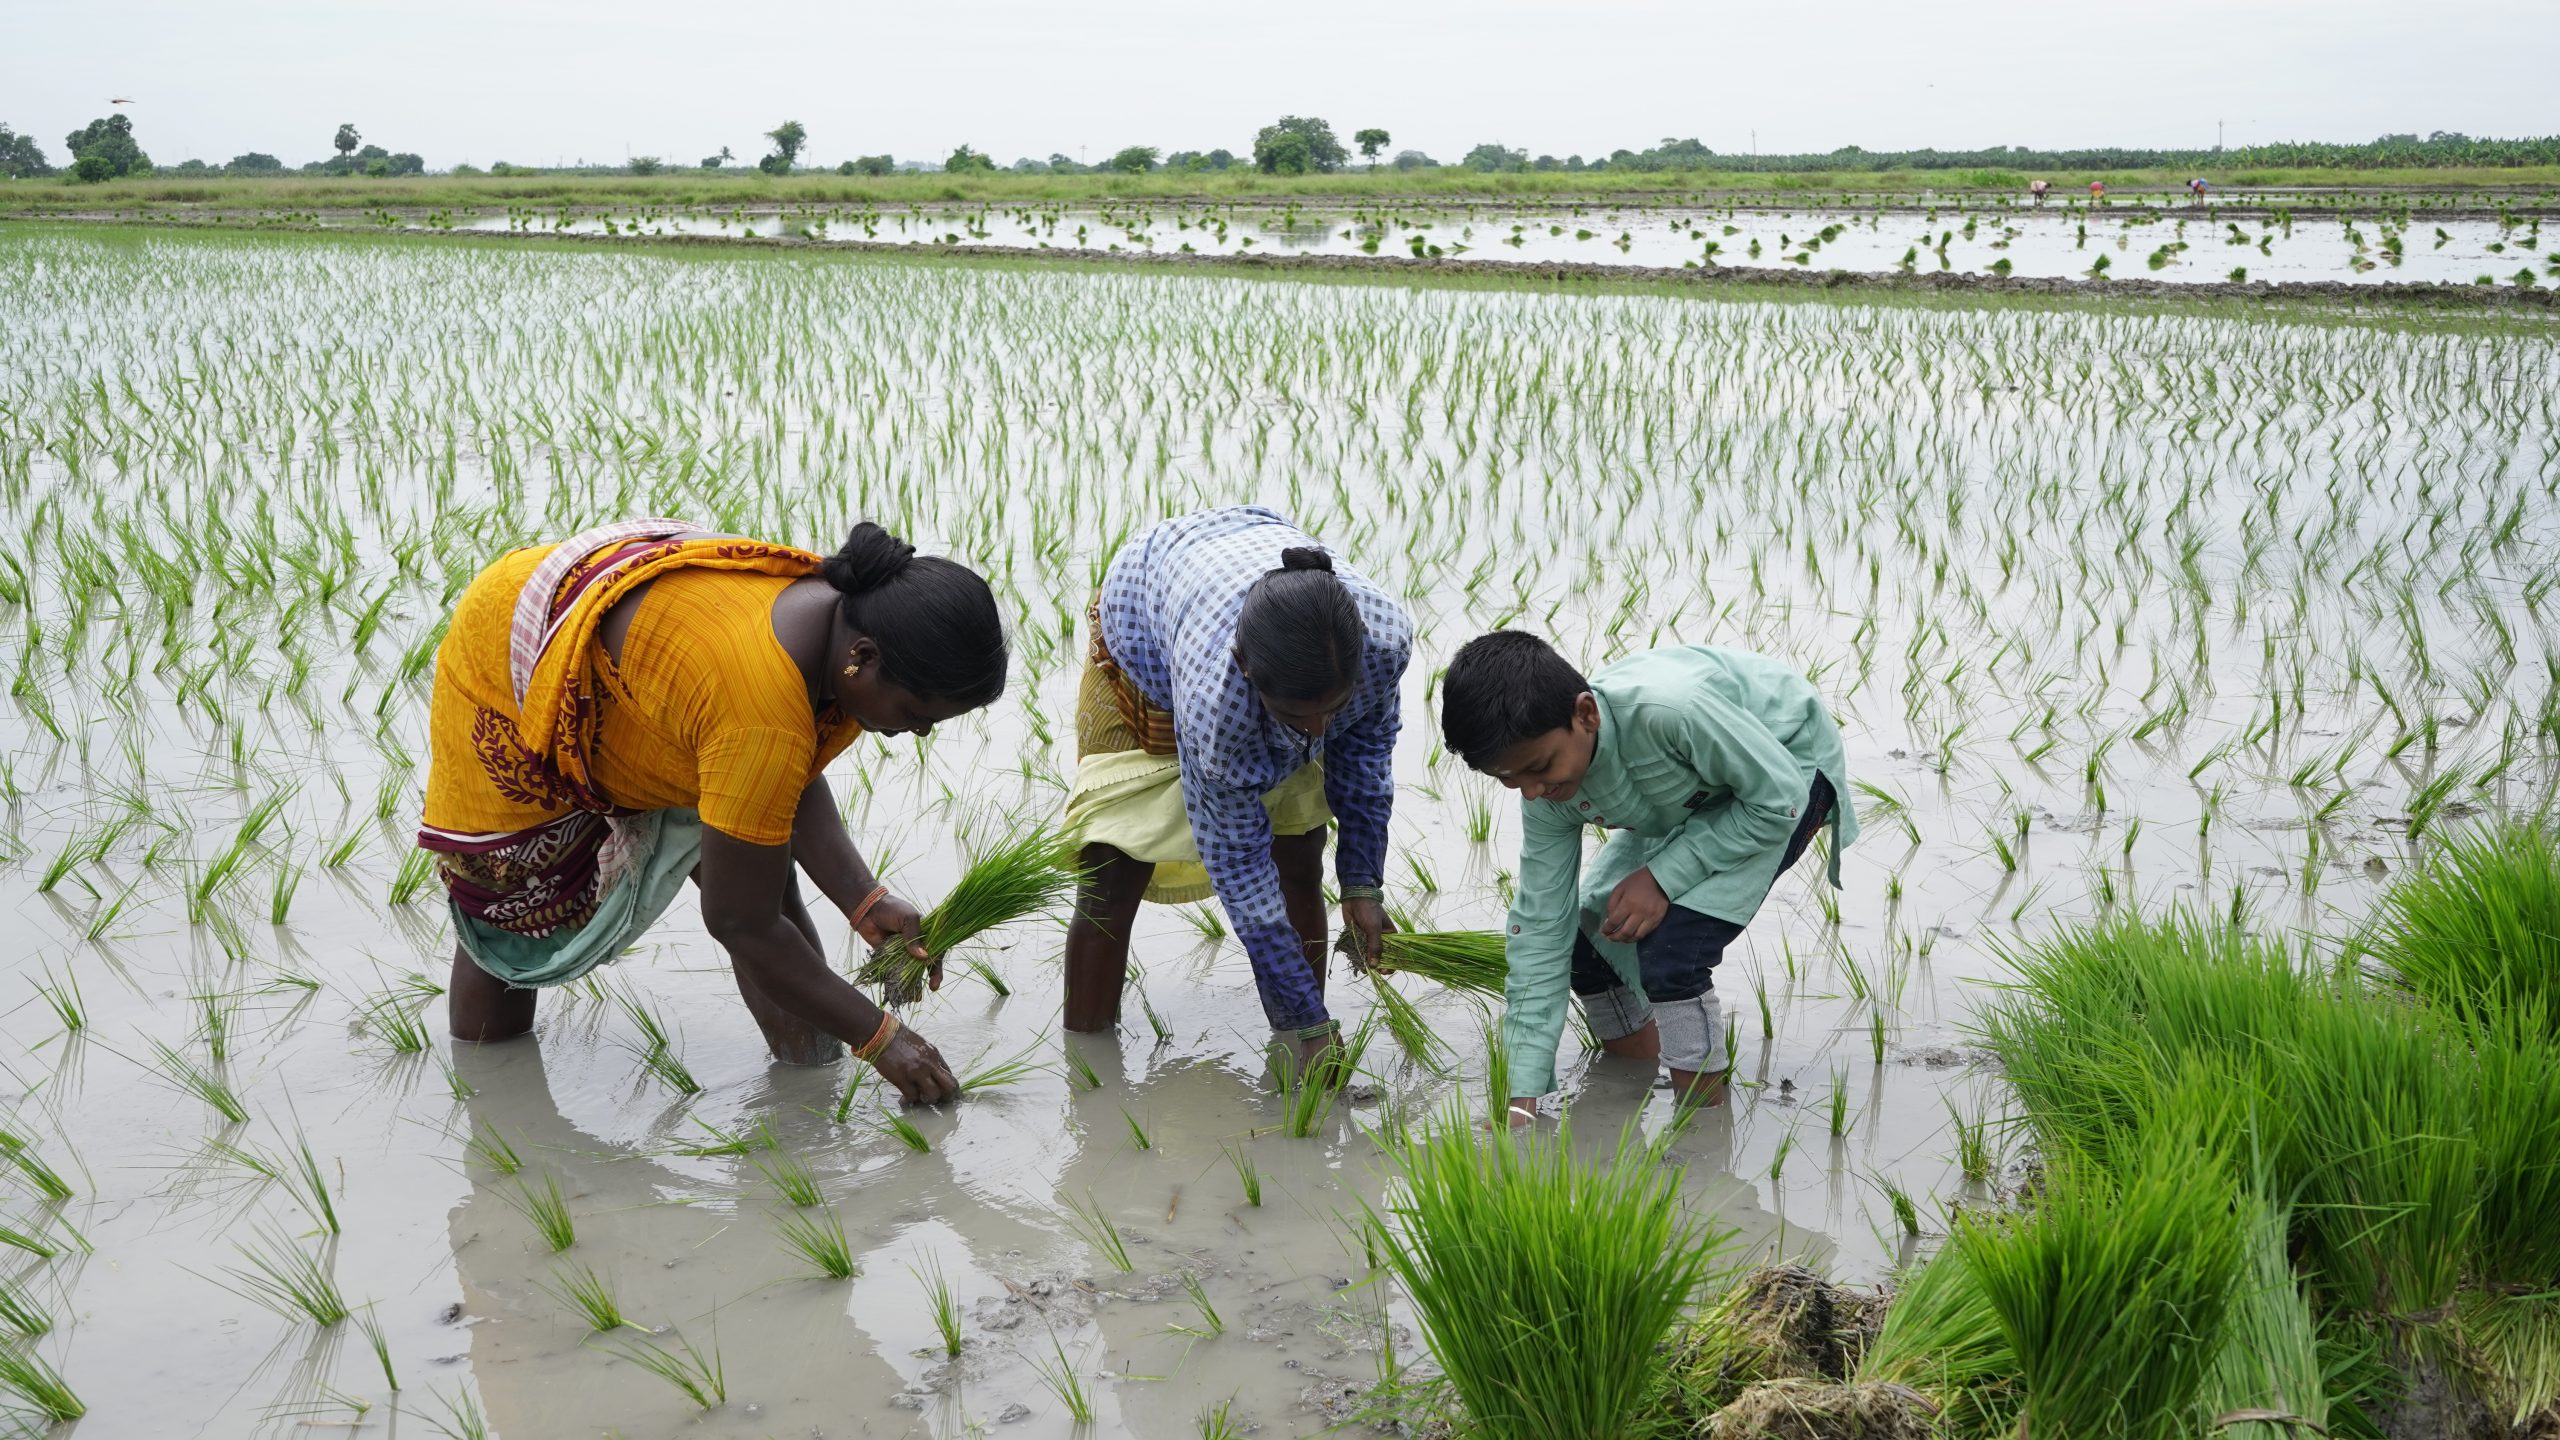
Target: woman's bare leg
[(1300, 861), (1098, 935), (480, 1007)]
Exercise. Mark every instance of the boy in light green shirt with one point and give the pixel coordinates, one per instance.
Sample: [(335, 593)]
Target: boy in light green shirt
[(1712, 768)]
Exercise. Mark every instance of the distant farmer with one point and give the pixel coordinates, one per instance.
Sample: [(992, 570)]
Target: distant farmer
[(651, 701), (1240, 690), (2038, 189), (2196, 188), (2097, 189), (1711, 768)]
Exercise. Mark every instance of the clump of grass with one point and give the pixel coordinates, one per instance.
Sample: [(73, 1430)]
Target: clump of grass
[(1248, 1176), (698, 1377), (1137, 1132), (381, 1346), (1211, 1323), (20, 1313), (1974, 1154), (1095, 1229), (817, 1237), (906, 1131), (579, 1288), (1517, 1255), (492, 1149), (1061, 1378), (462, 1418), (657, 1048), (1016, 880), (987, 1075), (547, 1211), (62, 996)]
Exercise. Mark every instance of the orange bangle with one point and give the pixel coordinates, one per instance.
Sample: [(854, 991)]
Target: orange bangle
[(855, 916), (879, 1040)]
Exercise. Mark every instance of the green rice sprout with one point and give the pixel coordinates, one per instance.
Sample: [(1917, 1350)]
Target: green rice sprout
[(818, 1238), (47, 1181), (1248, 1176), (852, 1092), (578, 1288), (1217, 1422), (986, 1075), (462, 1418), (657, 1048), (792, 1180), (987, 974), (37, 1387), (282, 1276), (1906, 1211), (1081, 1069), (1155, 1019), (20, 1313), (906, 1131), (380, 1344), (1023, 877), (394, 1016), (1974, 1155), (1137, 1132), (492, 1149), (1469, 960), (1061, 1379), (2475, 929), (1210, 1323), (204, 1084), (1094, 1227), (698, 1377), (546, 1211), (1838, 1103), (943, 1299), (1514, 1253), (2270, 1360), (62, 997)]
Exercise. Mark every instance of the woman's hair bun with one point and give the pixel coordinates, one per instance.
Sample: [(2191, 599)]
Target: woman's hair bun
[(1306, 557), (871, 558)]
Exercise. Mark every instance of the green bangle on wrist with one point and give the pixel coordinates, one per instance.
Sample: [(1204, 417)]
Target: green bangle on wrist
[(1364, 892)]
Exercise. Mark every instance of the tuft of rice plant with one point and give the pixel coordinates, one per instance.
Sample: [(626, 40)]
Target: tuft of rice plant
[(204, 1084), (1211, 1323), (943, 1299), (1095, 1228), (291, 1281), (1137, 1132), (1942, 1337), (580, 1289), (2269, 1364), (1470, 960), (1974, 1154), (1081, 1069), (1517, 1254), (547, 1211), (381, 1346), (1020, 878), (1248, 1176), (987, 1075), (394, 1016), (852, 1092), (37, 1387), (62, 996), (20, 1313), (906, 1131), (2475, 928), (1217, 1422), (2112, 1294), (792, 1180), (492, 1149), (1061, 1378), (698, 1377), (462, 1418), (817, 1237)]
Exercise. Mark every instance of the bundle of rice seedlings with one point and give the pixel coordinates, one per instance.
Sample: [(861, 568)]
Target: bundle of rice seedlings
[(1016, 880), (2113, 1296), (1943, 1337), (1798, 1409), (2476, 928), (1404, 1022), (2269, 1368), (1544, 1284), (1470, 960)]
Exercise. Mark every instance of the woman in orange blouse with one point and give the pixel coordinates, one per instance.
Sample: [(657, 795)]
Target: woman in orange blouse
[(652, 702)]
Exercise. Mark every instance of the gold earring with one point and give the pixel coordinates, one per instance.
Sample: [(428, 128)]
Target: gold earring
[(852, 670)]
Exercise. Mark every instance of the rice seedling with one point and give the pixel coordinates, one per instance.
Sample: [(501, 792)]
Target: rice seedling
[(1017, 879), (1906, 1211), (1837, 1104), (701, 1378), (1974, 1154), (380, 1344), (1217, 1422), (205, 1085), (945, 1302), (852, 1091), (1514, 1252), (1059, 1375), (1081, 1070), (792, 1180), (1137, 1132), (906, 1131), (1248, 1176), (2476, 927), (1471, 960), (546, 1211), (492, 1150), (62, 997), (37, 1387), (20, 1314), (394, 1016), (2269, 1363), (1211, 1325), (463, 1419), (287, 1279), (818, 1238), (1094, 1227), (580, 1290)]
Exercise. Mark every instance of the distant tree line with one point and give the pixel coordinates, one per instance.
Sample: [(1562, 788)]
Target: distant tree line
[(105, 149)]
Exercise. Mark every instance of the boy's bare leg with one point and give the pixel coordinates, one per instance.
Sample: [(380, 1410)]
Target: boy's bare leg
[(1689, 1088), (1107, 901), (1642, 1043), (479, 1006)]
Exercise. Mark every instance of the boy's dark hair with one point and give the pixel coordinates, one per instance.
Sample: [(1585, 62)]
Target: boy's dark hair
[(1504, 688)]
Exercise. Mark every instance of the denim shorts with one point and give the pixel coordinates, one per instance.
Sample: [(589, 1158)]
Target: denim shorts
[(1678, 960)]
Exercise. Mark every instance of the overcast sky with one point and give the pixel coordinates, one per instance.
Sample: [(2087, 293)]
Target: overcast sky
[(551, 81)]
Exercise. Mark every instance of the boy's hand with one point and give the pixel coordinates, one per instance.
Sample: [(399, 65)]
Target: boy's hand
[(1636, 908)]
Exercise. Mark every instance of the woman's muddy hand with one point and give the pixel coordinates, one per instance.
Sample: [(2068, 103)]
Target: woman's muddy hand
[(912, 1064)]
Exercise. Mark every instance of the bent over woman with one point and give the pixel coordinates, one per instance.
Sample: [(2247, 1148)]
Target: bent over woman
[(651, 701), (1240, 691)]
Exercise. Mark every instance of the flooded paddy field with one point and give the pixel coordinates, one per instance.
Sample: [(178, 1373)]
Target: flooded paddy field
[(2117, 606)]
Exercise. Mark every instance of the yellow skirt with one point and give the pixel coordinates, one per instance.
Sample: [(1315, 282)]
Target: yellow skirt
[(1128, 796)]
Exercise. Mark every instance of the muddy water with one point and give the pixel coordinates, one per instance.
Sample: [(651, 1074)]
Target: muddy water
[(2193, 245), (2051, 567)]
